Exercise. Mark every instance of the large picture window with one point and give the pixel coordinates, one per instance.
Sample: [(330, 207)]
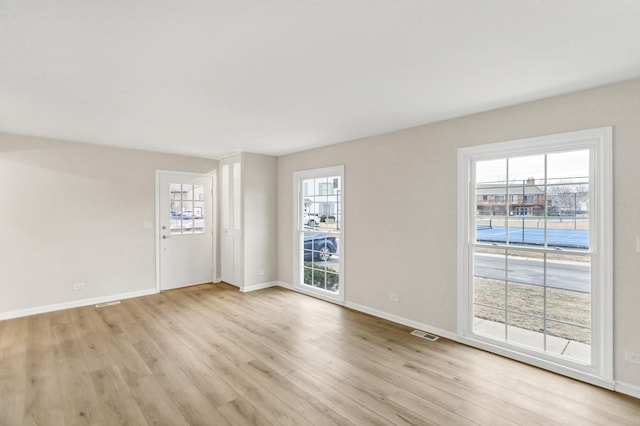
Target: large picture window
[(535, 251), (319, 228)]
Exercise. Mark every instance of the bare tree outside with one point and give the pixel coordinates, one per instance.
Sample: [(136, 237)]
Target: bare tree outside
[(569, 199)]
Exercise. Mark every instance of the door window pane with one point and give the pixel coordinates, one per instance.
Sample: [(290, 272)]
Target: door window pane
[(187, 214)]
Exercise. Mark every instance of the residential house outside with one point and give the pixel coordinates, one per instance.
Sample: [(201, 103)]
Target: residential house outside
[(321, 198), (525, 199)]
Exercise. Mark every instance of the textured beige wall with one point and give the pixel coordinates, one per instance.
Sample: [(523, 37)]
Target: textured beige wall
[(400, 196), (73, 213)]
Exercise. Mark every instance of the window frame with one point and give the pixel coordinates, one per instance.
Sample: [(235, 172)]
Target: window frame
[(180, 232), (298, 210), (599, 142)]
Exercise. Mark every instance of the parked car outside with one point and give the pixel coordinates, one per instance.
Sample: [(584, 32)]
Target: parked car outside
[(188, 214), (310, 220), (319, 247)]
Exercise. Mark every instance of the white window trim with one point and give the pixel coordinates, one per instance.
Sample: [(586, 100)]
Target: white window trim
[(600, 372), (298, 205)]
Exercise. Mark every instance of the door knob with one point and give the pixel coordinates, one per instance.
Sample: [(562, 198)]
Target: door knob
[(164, 237)]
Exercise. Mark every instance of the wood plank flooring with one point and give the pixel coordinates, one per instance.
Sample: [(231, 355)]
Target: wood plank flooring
[(210, 355)]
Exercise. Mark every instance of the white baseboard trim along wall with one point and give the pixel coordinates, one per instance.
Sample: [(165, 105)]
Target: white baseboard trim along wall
[(628, 389), (381, 314), (620, 387), (260, 286), (404, 321), (74, 304)]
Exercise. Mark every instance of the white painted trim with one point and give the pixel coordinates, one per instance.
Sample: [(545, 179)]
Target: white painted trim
[(533, 145), (224, 157), (260, 286), (231, 284), (233, 275), (556, 368), (213, 175), (74, 304), (599, 141), (156, 225), (536, 361), (298, 176), (320, 294), (628, 389), (285, 285), (401, 320), (178, 172), (316, 294), (296, 234), (604, 229), (374, 312), (463, 241)]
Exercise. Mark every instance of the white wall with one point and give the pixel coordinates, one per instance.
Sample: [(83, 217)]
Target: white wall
[(259, 219), (72, 213), (400, 200)]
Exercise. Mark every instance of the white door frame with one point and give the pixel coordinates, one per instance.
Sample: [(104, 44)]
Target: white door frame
[(298, 209), (214, 225)]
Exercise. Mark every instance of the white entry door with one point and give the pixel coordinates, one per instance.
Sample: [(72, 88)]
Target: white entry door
[(185, 237)]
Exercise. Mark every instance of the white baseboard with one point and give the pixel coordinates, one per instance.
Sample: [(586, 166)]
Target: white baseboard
[(401, 320), (583, 375), (284, 285), (260, 286), (318, 294), (578, 375), (74, 304), (381, 314), (627, 389)]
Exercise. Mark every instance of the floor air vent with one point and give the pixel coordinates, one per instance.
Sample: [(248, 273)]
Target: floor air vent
[(102, 305), (425, 335)]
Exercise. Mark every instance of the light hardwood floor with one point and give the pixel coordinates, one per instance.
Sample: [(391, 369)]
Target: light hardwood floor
[(210, 355)]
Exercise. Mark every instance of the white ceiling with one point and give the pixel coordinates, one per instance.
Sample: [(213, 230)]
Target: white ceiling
[(212, 77)]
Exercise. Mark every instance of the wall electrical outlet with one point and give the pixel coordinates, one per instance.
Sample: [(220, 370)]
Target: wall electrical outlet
[(632, 357), (394, 297), (78, 286)]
